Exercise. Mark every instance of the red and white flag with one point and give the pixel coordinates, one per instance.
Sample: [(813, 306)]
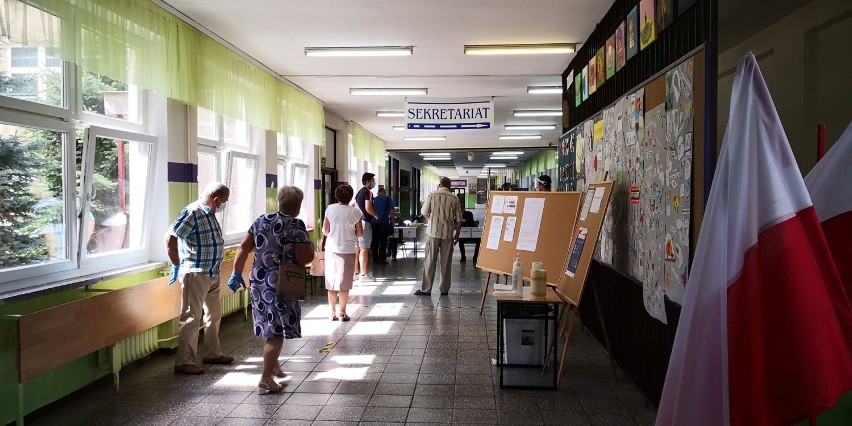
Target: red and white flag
[(758, 342), (830, 187)]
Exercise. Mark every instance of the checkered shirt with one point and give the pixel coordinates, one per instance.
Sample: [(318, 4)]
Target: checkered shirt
[(200, 240)]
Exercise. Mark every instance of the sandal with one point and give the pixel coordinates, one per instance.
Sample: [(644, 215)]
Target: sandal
[(343, 317), (270, 387), (334, 317)]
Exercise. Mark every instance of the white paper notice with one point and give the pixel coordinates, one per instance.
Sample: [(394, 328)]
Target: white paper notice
[(495, 228), (530, 224), (511, 205), (509, 234), (497, 204), (587, 203), (598, 199)]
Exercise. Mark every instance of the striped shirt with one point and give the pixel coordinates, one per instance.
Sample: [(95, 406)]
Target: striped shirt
[(200, 240), (444, 211)]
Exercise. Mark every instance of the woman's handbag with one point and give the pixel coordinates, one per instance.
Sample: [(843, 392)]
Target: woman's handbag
[(318, 264), (292, 276)]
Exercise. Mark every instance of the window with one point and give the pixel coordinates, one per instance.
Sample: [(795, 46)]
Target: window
[(25, 57), (35, 226), (301, 178), (281, 147), (117, 169), (235, 131), (282, 174), (242, 177), (208, 167), (109, 97), (207, 124)]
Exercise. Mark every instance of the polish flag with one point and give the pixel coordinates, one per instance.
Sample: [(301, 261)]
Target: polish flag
[(830, 186), (758, 341)]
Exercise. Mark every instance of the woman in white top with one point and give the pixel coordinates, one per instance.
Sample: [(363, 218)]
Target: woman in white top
[(341, 226)]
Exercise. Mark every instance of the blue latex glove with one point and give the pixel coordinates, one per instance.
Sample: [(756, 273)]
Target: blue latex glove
[(235, 282), (175, 269)]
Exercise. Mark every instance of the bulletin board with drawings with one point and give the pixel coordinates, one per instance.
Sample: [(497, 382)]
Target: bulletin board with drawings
[(536, 225), (650, 142)]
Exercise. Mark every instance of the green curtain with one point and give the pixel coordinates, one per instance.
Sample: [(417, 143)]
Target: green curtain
[(138, 42), (545, 160), (365, 146)]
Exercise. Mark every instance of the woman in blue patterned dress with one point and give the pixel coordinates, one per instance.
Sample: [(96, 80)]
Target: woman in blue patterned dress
[(274, 319)]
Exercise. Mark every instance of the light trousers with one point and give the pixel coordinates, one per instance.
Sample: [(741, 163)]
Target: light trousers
[(437, 249), (198, 291)]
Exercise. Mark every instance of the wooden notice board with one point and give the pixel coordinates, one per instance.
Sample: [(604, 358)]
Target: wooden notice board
[(580, 252), (554, 233)]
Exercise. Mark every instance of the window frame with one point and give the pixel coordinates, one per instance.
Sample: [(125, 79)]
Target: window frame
[(234, 236)]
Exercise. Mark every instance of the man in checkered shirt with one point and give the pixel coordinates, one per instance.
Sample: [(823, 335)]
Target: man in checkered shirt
[(444, 212), (194, 244)]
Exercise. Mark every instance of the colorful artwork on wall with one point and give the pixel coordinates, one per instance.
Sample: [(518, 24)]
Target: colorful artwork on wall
[(620, 57), (647, 26), (632, 34), (610, 57)]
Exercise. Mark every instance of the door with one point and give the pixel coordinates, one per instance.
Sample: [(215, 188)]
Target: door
[(328, 178)]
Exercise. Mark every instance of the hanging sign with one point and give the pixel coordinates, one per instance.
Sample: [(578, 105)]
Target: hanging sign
[(449, 115)]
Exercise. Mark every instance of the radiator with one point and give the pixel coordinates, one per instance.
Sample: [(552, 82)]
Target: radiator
[(138, 346)]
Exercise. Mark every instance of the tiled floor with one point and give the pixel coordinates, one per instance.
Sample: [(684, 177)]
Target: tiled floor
[(402, 359)]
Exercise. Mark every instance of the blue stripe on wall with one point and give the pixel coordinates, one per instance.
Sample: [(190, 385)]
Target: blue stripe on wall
[(183, 172)]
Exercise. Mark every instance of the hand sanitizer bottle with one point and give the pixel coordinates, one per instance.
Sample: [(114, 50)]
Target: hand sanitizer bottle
[(518, 276)]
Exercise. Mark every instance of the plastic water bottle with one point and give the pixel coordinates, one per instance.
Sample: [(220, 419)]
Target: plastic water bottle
[(518, 276)]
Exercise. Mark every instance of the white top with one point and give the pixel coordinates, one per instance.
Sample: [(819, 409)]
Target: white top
[(341, 237)]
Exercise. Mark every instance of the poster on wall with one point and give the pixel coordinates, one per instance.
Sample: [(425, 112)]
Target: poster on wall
[(665, 14), (620, 57), (610, 57), (632, 34), (601, 66), (578, 89), (647, 26), (585, 83), (593, 72), (567, 156)]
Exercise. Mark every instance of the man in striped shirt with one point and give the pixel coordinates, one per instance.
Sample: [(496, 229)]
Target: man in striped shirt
[(444, 212), (195, 245)]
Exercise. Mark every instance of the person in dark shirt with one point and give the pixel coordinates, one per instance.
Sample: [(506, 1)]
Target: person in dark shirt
[(364, 201), (393, 241), (467, 221), (382, 225)]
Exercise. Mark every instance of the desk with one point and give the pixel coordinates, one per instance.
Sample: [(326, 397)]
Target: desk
[(548, 311), (401, 233)]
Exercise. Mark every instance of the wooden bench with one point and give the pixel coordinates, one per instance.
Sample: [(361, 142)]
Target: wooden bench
[(55, 336)]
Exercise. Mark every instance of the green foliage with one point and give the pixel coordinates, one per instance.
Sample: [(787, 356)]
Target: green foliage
[(20, 241)]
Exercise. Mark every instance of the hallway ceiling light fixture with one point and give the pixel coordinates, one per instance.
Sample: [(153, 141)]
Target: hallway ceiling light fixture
[(424, 138), (504, 157), (508, 153), (544, 90), (390, 113), (518, 137), (537, 113), (530, 127), (495, 165), (388, 91), (399, 127), (359, 51), (429, 154), (519, 49)]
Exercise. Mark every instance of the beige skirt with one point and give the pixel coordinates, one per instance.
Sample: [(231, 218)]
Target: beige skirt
[(339, 268)]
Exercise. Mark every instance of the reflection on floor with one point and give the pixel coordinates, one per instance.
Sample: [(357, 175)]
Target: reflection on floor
[(402, 359)]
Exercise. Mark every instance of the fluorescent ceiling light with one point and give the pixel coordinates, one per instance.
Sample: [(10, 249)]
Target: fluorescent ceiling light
[(429, 154), (518, 137), (504, 157), (544, 90), (399, 127), (387, 91), (360, 51), (424, 138), (530, 127), (508, 153), (537, 113), (390, 113), (519, 49), (496, 165)]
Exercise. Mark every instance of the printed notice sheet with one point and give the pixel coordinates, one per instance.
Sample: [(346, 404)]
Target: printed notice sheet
[(587, 204), (530, 224), (598, 199), (574, 260), (494, 231), (509, 235), (497, 204), (511, 204)]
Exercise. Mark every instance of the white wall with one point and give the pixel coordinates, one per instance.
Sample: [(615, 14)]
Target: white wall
[(805, 59)]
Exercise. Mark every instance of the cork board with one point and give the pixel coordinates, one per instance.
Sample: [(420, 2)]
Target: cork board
[(553, 234), (572, 275)]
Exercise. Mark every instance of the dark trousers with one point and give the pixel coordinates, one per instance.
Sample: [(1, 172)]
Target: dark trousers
[(379, 247), (475, 249)]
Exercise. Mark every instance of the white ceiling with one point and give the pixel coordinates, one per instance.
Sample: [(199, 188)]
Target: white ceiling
[(276, 32)]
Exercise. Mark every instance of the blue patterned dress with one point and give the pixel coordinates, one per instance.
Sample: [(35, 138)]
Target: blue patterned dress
[(274, 318)]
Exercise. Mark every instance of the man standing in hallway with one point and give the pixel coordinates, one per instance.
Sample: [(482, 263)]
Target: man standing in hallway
[(382, 226), (444, 213), (364, 201), (195, 245)]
